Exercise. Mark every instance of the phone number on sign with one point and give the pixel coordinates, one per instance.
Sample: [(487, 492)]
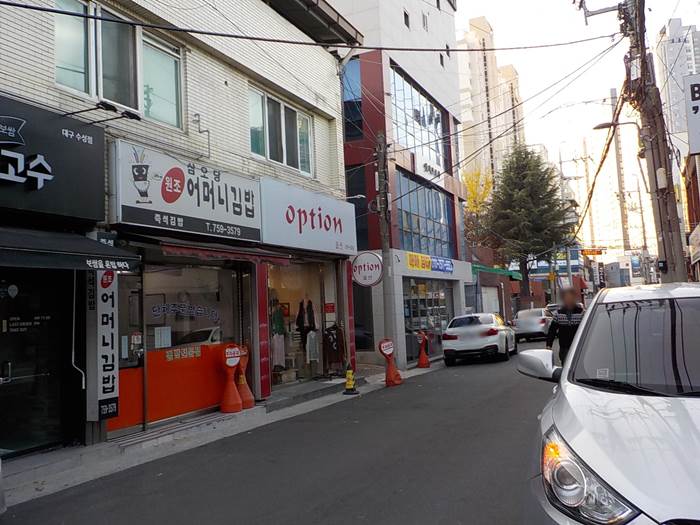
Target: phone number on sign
[(219, 228)]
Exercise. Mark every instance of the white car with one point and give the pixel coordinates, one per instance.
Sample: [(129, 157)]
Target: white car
[(620, 438), (477, 334), (532, 323)]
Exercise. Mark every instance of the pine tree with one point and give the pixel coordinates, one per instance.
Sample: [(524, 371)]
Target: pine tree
[(527, 213)]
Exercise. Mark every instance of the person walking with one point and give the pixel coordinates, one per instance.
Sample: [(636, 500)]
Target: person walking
[(565, 322)]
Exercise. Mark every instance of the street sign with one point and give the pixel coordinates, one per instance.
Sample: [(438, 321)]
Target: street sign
[(692, 104), (590, 252), (367, 269)]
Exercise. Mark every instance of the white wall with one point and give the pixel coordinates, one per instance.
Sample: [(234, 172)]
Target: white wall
[(216, 72), (382, 24)]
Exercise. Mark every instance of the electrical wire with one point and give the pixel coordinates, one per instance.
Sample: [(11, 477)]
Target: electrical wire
[(205, 32)]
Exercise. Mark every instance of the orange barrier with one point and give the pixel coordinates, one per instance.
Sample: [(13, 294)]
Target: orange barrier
[(244, 391), (393, 377), (423, 361), (231, 400)]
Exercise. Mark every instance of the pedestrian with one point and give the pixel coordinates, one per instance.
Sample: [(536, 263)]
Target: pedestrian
[(565, 322)]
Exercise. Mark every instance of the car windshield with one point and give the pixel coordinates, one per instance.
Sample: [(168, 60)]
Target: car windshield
[(525, 314), (472, 320), (648, 344)]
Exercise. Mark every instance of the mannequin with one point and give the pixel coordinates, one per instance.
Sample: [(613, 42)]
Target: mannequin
[(277, 322), (306, 322)]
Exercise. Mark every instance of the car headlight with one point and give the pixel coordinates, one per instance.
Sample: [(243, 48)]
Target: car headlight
[(575, 490)]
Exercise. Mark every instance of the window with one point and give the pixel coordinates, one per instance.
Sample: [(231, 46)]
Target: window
[(72, 51), (256, 104), (425, 21), (406, 19), (426, 217), (118, 62), (161, 82), (101, 58), (352, 100), (280, 132)]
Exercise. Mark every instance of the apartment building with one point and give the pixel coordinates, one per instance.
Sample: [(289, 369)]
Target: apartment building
[(491, 106), (413, 99), (166, 194)]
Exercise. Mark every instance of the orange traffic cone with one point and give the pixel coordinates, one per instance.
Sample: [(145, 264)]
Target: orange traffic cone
[(247, 397), (231, 401), (423, 361), (393, 377)]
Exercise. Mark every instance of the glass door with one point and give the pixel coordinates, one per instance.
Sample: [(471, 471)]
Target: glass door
[(35, 330)]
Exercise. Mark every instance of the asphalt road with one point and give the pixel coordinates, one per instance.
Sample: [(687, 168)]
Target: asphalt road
[(449, 447)]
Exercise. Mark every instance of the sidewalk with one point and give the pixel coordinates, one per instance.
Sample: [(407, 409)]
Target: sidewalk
[(38, 475)]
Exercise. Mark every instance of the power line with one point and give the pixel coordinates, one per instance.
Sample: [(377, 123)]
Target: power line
[(205, 32)]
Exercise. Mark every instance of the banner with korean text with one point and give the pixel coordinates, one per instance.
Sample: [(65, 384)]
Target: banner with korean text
[(156, 189)]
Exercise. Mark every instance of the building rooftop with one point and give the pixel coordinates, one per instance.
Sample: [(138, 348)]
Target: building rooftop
[(319, 20)]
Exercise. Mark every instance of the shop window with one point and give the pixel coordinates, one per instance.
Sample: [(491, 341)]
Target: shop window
[(428, 307), (117, 49), (72, 51), (161, 82)]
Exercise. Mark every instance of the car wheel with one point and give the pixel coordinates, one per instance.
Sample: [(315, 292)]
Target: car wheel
[(515, 345), (450, 361)]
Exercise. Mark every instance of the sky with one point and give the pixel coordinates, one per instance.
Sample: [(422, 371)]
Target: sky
[(516, 22)]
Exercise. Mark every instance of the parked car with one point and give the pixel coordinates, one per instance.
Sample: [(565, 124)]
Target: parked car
[(477, 335), (532, 323), (620, 438), (204, 336), (552, 307)]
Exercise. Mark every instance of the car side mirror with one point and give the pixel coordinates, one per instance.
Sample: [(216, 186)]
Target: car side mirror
[(539, 364)]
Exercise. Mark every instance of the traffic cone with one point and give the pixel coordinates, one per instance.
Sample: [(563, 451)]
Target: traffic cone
[(350, 389), (393, 377), (244, 392), (231, 400), (423, 361)]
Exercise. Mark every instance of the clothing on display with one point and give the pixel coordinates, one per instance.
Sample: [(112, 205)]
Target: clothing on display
[(278, 358), (313, 353)]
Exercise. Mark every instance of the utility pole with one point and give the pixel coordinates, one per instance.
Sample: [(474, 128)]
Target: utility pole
[(643, 95), (587, 175), (624, 219), (384, 211)]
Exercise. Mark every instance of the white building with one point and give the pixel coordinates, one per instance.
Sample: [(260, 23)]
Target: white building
[(215, 164), (677, 56), (491, 106)]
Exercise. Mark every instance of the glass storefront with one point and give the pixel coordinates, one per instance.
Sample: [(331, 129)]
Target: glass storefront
[(185, 310), (428, 306), (302, 310)]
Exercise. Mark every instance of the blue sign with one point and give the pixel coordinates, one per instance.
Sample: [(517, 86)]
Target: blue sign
[(440, 264)]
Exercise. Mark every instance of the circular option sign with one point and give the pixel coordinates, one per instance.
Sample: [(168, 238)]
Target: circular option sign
[(367, 269)]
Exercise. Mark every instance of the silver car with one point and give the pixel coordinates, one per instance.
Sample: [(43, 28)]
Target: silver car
[(532, 323), (619, 442)]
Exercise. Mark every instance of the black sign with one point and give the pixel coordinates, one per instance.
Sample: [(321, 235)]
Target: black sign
[(50, 163)]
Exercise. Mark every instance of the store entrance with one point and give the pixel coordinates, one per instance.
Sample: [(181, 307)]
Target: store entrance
[(428, 307), (37, 385)]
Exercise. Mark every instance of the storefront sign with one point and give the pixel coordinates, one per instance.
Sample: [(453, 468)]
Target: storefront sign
[(367, 269), (303, 219), (329, 308), (102, 361), (160, 191), (692, 99), (427, 263), (45, 157)]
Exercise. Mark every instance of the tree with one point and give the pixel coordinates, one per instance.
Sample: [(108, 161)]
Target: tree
[(479, 187), (527, 213)]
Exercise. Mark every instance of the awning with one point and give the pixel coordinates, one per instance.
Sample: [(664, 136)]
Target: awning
[(477, 268), (42, 249), (223, 254)]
